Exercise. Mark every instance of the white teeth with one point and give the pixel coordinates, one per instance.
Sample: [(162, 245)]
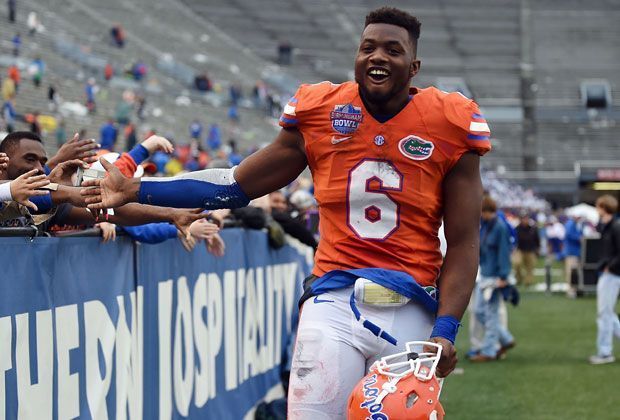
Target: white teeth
[(378, 72)]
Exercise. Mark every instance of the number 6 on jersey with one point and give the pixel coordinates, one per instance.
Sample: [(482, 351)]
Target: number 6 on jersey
[(371, 212)]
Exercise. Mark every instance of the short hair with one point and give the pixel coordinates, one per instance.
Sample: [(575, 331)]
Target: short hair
[(12, 139), (608, 203), (489, 205), (397, 17)]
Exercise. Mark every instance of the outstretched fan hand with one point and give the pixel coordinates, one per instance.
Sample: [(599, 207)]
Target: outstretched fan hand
[(112, 191)]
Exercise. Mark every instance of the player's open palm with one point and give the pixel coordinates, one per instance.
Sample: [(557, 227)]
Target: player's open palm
[(112, 191)]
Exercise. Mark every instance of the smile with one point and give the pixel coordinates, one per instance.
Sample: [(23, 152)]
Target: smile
[(378, 74)]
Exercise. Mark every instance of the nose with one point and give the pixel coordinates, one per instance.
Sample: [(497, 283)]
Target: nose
[(39, 167), (377, 56)]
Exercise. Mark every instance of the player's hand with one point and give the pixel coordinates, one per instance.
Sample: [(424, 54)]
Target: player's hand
[(448, 359), (183, 219), (108, 231), (155, 143), (500, 284), (203, 229), (27, 185), (216, 245), (63, 172), (4, 162), (114, 190), (75, 149)]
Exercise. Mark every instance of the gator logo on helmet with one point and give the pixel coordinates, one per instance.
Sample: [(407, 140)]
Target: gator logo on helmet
[(416, 148), (370, 396)]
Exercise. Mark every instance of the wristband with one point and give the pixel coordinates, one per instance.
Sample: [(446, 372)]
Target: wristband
[(446, 326), (5, 192), (139, 154)]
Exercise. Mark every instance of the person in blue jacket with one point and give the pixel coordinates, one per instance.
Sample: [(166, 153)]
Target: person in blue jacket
[(495, 267), (572, 250)]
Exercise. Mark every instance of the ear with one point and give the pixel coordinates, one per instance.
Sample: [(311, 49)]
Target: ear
[(414, 68)]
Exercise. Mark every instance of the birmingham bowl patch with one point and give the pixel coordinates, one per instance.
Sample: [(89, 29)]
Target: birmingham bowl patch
[(346, 118), (416, 148)]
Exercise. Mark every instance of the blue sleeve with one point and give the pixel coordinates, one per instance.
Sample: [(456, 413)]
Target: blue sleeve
[(504, 249), (572, 231), (192, 193), (139, 154), (151, 233), (43, 203)]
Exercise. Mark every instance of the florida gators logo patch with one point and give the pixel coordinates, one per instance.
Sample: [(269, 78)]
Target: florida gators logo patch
[(346, 118), (416, 148)]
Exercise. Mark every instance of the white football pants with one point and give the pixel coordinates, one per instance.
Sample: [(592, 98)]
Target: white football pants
[(334, 351)]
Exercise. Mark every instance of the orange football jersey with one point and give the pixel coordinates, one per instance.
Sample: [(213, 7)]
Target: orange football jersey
[(379, 185)]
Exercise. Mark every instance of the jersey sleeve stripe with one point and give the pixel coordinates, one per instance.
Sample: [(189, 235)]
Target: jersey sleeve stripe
[(474, 115), (293, 100), (479, 127), (289, 110), (289, 121), (477, 137)]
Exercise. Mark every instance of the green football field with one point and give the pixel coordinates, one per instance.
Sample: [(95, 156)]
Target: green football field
[(546, 376)]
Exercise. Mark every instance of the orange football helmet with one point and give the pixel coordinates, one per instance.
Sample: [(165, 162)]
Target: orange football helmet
[(402, 386)]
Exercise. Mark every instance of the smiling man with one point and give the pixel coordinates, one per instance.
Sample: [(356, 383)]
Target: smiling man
[(388, 163)]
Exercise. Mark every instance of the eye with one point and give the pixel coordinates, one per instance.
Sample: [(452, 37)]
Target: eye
[(367, 49), (393, 52)]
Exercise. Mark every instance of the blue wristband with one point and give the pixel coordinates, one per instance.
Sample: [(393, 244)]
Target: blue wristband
[(446, 326), (139, 154)]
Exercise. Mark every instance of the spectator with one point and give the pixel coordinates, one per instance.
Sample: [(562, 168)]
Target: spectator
[(234, 158), (108, 72), (52, 98), (528, 244), (203, 83), (34, 24), (8, 115), (61, 133), (118, 35), (139, 70), (233, 113), (12, 10), (140, 106), (285, 53), (17, 43), (130, 136), (235, 94), (214, 138), (35, 126), (108, 135), (608, 285), (36, 70), (494, 271), (555, 233), (90, 91), (15, 75), (572, 251), (294, 227), (195, 130), (8, 89)]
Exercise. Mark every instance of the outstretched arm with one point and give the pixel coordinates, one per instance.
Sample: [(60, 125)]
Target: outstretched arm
[(462, 200), (266, 170)]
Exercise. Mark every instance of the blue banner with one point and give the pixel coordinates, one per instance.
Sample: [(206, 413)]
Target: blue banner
[(94, 330)]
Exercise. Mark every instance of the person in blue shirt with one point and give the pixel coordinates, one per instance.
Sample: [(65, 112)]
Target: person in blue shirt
[(108, 133), (195, 130), (495, 267)]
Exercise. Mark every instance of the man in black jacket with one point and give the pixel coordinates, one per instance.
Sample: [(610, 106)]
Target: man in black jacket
[(608, 285)]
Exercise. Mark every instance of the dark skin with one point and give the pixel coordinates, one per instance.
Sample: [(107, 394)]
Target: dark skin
[(390, 49), (30, 155)]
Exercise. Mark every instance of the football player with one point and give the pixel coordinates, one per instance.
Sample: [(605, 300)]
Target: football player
[(389, 162)]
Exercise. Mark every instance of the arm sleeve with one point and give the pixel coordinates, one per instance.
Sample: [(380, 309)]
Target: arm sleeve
[(43, 202), (151, 233), (5, 192), (210, 189), (614, 262)]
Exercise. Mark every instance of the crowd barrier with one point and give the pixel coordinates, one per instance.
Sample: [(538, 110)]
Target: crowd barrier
[(132, 331)]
